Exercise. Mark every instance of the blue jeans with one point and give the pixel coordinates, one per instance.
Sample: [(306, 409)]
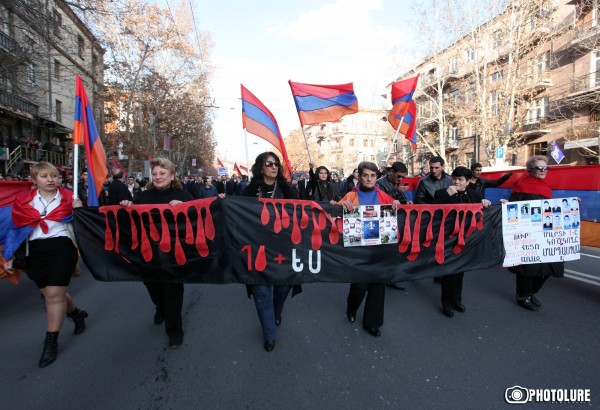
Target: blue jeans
[(269, 302)]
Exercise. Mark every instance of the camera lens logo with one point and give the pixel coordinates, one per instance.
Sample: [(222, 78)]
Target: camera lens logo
[(516, 395)]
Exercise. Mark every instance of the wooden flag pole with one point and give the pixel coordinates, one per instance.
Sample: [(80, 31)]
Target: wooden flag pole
[(306, 142), (394, 141)]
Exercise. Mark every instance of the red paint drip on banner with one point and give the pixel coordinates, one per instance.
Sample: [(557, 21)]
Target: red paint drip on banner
[(205, 229), (283, 218)]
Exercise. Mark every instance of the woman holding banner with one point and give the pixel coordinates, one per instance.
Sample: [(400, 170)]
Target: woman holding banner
[(268, 182), (531, 278), (167, 296), (42, 218)]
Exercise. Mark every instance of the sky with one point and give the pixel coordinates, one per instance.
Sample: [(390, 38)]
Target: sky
[(264, 43)]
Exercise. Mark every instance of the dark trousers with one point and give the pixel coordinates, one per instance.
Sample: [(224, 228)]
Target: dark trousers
[(168, 298), (374, 306), (529, 285), (452, 289)]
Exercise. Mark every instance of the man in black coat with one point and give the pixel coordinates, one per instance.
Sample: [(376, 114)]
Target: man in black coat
[(435, 180), (117, 191)]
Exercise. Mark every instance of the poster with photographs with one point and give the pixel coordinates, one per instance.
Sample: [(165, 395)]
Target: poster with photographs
[(370, 225), (541, 231)]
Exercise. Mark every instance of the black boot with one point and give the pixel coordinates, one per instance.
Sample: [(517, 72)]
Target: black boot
[(50, 349), (78, 316)]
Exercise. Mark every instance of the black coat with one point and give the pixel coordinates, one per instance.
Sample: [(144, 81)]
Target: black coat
[(117, 192)]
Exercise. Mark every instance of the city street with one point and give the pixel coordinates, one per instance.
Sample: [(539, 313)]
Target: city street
[(422, 361)]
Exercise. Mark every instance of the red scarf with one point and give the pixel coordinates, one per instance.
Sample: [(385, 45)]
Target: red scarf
[(24, 214), (530, 185)]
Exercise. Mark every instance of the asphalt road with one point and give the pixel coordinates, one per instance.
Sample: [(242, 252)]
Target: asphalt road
[(422, 361)]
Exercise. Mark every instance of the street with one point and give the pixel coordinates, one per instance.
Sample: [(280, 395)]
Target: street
[(422, 361)]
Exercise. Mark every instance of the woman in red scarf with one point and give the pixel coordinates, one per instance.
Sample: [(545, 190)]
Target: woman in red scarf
[(44, 215), (531, 278)]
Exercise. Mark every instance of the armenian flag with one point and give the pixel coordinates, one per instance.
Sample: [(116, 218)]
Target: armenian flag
[(323, 103), (86, 133), (167, 142)]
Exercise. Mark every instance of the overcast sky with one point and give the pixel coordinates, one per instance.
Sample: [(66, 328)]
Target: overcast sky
[(264, 43)]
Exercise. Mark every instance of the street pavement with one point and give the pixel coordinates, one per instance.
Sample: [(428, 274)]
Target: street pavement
[(423, 360)]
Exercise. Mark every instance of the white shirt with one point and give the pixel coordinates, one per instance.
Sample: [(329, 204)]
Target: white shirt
[(55, 229)]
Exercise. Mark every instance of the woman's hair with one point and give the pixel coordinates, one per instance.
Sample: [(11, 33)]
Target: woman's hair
[(258, 164), (169, 166), (462, 172), (530, 164), (322, 167), (42, 166)]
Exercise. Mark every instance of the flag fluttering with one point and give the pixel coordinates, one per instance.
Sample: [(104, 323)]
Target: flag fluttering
[(404, 112), (237, 169), (243, 168), (258, 120), (167, 142), (220, 163), (117, 165), (86, 133), (323, 103)]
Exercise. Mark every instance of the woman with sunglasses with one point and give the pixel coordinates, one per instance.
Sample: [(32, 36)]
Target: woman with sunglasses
[(268, 182), (531, 278)]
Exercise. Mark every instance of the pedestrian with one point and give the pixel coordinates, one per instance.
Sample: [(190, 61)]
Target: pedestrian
[(436, 179), (268, 182), (42, 218), (480, 184), (530, 278), (166, 295), (320, 182)]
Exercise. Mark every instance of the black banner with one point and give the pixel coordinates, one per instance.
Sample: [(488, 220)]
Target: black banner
[(245, 240)]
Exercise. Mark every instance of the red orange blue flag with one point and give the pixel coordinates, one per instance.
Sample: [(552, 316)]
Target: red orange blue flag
[(219, 162), (404, 112), (167, 142), (237, 169), (86, 133), (323, 103), (258, 120), (243, 168), (402, 94)]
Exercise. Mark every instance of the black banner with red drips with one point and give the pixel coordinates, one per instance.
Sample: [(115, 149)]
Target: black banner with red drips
[(245, 240)]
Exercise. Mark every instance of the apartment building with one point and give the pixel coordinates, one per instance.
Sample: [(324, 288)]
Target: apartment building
[(516, 86), (43, 46)]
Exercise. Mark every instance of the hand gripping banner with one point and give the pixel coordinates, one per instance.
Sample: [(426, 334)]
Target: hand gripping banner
[(266, 241)]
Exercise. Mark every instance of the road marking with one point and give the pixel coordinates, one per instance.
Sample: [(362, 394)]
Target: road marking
[(591, 256), (582, 277)]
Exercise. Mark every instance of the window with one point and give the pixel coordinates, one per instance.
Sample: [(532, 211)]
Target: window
[(455, 96), (95, 65), (595, 69), (453, 135), (80, 46), (538, 110), (453, 69), (496, 76), (469, 94), (29, 43), (469, 130), (453, 161), (30, 71), (494, 106), (470, 54), (4, 22), (56, 69), (594, 13), (365, 143), (351, 142), (469, 159), (538, 149), (58, 105), (496, 39), (56, 22)]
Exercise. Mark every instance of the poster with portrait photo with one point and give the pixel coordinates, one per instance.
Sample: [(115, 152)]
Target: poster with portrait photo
[(371, 225)]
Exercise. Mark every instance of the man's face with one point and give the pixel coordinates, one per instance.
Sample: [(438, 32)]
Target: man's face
[(185, 179), (436, 169), (335, 177), (368, 178), (235, 178), (84, 176), (223, 177), (461, 183), (130, 180), (547, 220), (477, 172), (512, 212), (396, 176)]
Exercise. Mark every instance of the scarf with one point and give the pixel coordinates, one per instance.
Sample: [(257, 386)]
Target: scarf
[(530, 185), (23, 214)]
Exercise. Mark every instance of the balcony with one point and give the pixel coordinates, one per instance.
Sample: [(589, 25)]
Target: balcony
[(540, 80), (586, 36), (584, 131), (18, 104), (534, 126), (585, 85), (8, 44)]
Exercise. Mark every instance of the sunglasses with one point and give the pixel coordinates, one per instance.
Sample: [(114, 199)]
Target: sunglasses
[(270, 164), (542, 168)]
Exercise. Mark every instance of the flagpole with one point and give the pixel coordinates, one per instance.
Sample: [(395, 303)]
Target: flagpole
[(75, 169), (394, 141), (247, 156), (306, 142)]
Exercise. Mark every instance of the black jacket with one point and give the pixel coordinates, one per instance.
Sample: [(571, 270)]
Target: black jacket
[(389, 188), (117, 192), (428, 185)]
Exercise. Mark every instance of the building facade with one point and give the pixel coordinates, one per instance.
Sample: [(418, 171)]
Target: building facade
[(519, 85), (43, 46)]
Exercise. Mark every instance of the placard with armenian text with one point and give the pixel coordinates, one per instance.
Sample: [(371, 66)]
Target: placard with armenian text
[(539, 231)]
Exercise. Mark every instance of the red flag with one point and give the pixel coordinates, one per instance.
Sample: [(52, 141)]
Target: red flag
[(323, 103)]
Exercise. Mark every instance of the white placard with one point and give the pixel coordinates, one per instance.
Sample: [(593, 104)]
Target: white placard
[(541, 231), (370, 225)]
